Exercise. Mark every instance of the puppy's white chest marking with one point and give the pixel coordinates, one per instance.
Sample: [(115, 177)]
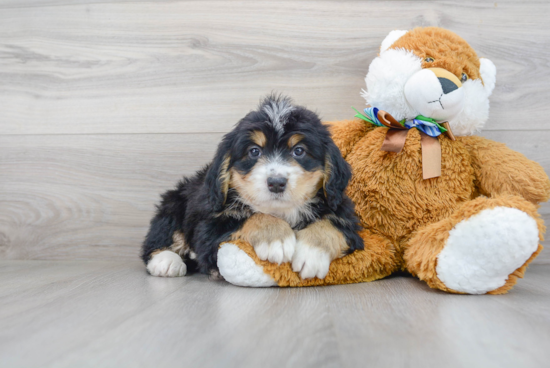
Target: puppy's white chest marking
[(292, 215)]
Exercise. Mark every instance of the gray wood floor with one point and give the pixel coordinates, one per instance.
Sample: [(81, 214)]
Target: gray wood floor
[(111, 314)]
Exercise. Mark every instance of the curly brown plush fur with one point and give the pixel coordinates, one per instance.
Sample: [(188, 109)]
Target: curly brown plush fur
[(393, 201)]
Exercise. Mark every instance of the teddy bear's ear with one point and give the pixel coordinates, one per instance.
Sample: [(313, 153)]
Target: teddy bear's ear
[(390, 39), (488, 74)]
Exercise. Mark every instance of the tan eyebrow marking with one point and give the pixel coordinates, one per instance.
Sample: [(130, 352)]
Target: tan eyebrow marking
[(294, 140), (258, 137)]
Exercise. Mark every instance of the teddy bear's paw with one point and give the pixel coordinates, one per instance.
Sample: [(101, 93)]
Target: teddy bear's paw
[(278, 251), (166, 264), (238, 268), (483, 250), (310, 261)]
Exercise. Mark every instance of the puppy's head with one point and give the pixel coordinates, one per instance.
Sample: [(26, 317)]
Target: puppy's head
[(278, 158)]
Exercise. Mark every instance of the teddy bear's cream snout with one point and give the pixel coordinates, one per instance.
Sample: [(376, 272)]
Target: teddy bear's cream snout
[(435, 93)]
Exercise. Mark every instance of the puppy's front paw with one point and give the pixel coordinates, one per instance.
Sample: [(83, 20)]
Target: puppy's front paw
[(310, 261), (166, 264), (272, 238), (277, 251)]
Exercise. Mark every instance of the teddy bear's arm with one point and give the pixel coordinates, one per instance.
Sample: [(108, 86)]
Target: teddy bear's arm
[(347, 133), (500, 170)]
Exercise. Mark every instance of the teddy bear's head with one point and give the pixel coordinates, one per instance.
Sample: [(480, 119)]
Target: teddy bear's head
[(431, 72)]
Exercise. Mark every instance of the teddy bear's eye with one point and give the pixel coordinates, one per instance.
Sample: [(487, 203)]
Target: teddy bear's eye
[(464, 77), (429, 59)]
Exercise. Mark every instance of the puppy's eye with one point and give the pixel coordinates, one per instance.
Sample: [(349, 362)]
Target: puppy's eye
[(298, 152), (429, 59), (255, 152), (464, 77)]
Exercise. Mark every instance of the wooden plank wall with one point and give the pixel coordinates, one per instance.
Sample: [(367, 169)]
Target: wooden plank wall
[(104, 103)]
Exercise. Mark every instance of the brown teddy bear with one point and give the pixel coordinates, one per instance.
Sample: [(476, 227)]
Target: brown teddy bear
[(456, 210)]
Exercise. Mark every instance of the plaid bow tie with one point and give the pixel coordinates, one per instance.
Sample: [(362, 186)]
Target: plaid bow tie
[(426, 125), (397, 131)]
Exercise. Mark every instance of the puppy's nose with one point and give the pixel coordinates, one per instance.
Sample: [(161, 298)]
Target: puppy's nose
[(276, 184)]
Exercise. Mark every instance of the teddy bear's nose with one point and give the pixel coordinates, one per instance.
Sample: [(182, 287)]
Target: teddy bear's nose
[(447, 85), (449, 82)]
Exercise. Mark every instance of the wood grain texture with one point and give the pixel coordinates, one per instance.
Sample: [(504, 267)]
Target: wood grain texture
[(107, 314), (88, 196), (74, 67)]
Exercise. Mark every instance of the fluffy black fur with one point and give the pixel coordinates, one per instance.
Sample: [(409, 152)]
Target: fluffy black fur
[(199, 206)]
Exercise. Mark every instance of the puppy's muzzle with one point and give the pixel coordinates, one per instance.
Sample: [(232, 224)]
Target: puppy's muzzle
[(276, 184)]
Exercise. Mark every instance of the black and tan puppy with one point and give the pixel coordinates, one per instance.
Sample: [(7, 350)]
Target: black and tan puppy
[(277, 181)]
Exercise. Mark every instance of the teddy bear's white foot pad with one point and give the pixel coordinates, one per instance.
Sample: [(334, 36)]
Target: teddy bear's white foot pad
[(483, 250), (166, 264), (238, 268)]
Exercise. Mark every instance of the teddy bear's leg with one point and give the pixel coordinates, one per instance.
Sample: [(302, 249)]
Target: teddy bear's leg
[(481, 248), (239, 264)]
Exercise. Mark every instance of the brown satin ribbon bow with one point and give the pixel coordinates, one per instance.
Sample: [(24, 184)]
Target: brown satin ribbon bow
[(431, 148)]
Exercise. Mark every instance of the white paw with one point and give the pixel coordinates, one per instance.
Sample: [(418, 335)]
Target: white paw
[(485, 249), (277, 251), (310, 261), (166, 264), (238, 268)]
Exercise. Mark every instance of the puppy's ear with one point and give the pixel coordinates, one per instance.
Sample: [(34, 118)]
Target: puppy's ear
[(218, 176), (337, 175)]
